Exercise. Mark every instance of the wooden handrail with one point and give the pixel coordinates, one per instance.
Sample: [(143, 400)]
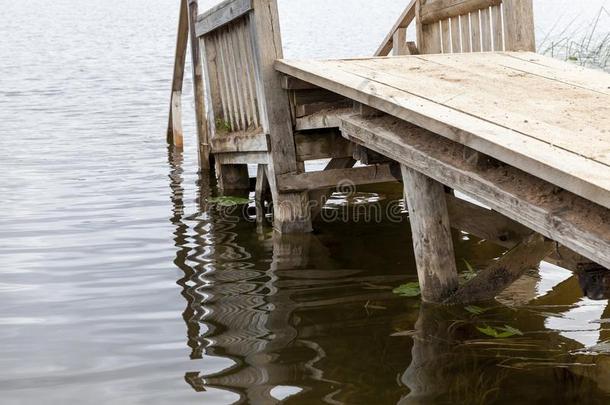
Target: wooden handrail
[(222, 14), (406, 18)]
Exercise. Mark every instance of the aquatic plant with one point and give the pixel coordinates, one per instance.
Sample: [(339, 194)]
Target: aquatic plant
[(228, 201), (501, 332), (408, 290)]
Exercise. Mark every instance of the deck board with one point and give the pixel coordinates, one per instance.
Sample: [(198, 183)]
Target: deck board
[(542, 116)]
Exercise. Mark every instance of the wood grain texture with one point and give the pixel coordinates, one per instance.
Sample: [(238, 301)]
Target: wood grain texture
[(422, 91), (433, 11), (519, 29), (222, 14), (432, 243), (574, 222), (174, 126)]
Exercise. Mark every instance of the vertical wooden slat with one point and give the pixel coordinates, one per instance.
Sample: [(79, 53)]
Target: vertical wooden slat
[(216, 107), (251, 73), (475, 31), (456, 46), (519, 32), (237, 77), (486, 30), (232, 76), (445, 35), (174, 131), (226, 78), (496, 22), (245, 73), (176, 117), (465, 32)]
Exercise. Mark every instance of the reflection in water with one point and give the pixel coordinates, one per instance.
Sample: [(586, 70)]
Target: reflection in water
[(312, 319)]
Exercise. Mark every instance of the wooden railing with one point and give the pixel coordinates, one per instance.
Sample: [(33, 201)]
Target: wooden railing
[(455, 26)]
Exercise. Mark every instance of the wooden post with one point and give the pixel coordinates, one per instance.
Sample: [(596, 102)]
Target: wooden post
[(436, 269), (519, 25), (291, 214), (174, 127), (203, 147), (400, 42), (261, 189)]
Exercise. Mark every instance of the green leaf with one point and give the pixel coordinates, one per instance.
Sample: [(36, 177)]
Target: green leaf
[(500, 333), (228, 201), (489, 331), (408, 290), (473, 309), (470, 272)]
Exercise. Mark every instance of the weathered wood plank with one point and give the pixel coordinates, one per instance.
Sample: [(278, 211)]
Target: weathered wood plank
[(174, 125), (494, 279), (486, 30), (446, 35), (433, 11), (566, 218), (291, 83), (556, 165), (222, 14), (465, 33), (475, 31), (399, 42), (291, 213), (203, 147), (432, 243), (519, 29), (497, 28), (322, 145), (405, 19), (322, 119), (240, 142), (456, 46), (242, 158), (332, 178)]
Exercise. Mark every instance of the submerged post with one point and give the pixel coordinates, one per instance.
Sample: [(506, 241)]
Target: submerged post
[(174, 126)]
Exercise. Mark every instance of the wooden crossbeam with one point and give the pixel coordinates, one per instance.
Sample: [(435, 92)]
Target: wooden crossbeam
[(499, 275), (332, 178), (441, 9), (222, 14), (574, 222)]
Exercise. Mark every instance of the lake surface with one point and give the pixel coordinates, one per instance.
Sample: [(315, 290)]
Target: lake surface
[(120, 284)]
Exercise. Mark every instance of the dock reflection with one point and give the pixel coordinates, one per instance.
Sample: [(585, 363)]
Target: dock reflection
[(302, 324)]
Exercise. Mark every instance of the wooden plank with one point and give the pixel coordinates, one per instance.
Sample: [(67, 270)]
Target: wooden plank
[(465, 33), (473, 83), (322, 145), (240, 142), (250, 69), (445, 35), (176, 116), (497, 28), (242, 72), (291, 214), (222, 14), (456, 46), (405, 19), (203, 147), (519, 34), (290, 83), (331, 178), (431, 39), (486, 30), (432, 243), (174, 125), (475, 31), (260, 192), (226, 91), (238, 77), (241, 158), (322, 119), (565, 169), (492, 280), (400, 42), (564, 217), (433, 11)]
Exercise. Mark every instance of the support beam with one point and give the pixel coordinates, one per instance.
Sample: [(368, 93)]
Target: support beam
[(233, 178), (434, 255), (291, 213), (174, 127), (260, 192), (203, 147), (574, 222), (332, 178), (491, 281), (400, 42)]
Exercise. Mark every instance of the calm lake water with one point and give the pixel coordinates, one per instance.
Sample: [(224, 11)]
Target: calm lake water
[(119, 284)]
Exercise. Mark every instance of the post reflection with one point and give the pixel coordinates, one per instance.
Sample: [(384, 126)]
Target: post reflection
[(306, 319)]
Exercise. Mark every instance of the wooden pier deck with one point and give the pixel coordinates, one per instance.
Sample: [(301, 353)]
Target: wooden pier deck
[(545, 117), (468, 107)]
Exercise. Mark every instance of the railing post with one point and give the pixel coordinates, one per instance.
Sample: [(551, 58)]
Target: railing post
[(174, 126)]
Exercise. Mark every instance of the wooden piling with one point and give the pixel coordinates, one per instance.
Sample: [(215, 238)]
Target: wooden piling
[(436, 269), (174, 126)]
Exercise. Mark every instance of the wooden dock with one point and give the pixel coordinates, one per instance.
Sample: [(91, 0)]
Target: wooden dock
[(467, 107)]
